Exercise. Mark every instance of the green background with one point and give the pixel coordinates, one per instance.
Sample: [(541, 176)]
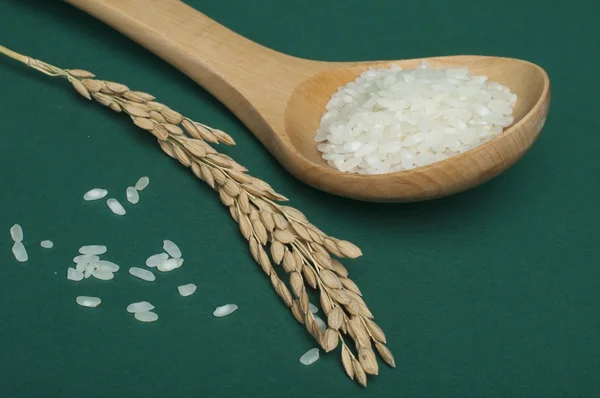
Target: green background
[(494, 292)]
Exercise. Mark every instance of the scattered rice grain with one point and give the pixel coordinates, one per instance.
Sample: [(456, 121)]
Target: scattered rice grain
[(146, 316), (141, 306), (74, 275), (171, 248), (187, 290), (132, 195), (143, 274), (86, 301), (142, 183), (116, 207), (311, 356), (20, 252), (225, 310), (156, 259), (92, 249), (47, 244), (16, 233), (95, 194)]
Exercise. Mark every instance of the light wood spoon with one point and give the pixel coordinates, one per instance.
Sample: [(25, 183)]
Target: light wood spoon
[(281, 98)]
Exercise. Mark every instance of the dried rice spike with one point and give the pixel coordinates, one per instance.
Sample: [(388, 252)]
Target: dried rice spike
[(162, 134), (252, 190), (80, 88), (325, 302), (335, 318), (180, 153), (259, 231), (367, 359), (144, 123), (324, 260), (80, 73), (207, 176), (131, 96), (93, 86), (298, 260), (245, 227), (116, 88), (348, 249), (190, 128), (223, 137), (339, 268), (145, 96), (280, 221), (171, 116), (254, 214), (297, 311), (385, 354), (294, 213), (330, 340), (218, 160), (358, 332), (157, 117), (330, 279), (284, 236), (171, 128), (195, 148), (375, 330), (359, 373), (315, 237), (308, 245), (243, 202), (304, 303), (204, 133), (310, 277), (353, 307), (340, 296), (300, 230), (285, 294), (277, 251), (349, 285), (263, 260), (167, 148), (332, 247), (289, 263), (102, 98), (115, 107), (267, 219), (253, 247), (238, 176), (347, 362), (297, 283)]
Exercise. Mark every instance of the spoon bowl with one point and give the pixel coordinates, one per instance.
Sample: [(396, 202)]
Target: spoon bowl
[(281, 98)]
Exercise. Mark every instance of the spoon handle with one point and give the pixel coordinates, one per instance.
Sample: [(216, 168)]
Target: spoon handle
[(231, 67)]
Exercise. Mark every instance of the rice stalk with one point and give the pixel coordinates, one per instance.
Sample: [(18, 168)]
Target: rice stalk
[(301, 249)]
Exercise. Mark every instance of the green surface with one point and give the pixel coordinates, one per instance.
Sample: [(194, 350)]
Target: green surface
[(494, 292)]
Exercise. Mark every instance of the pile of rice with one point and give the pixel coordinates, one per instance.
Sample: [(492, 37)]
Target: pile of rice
[(391, 119)]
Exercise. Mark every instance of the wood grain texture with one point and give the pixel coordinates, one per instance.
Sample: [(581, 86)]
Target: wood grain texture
[(281, 98)]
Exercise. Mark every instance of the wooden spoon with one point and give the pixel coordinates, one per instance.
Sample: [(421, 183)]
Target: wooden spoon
[(281, 98)]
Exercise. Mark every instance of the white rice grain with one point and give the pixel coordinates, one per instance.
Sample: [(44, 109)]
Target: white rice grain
[(16, 233), (146, 316), (103, 275), (225, 310), (47, 244), (86, 301), (74, 275), (168, 265), (132, 195), (116, 207), (143, 274), (92, 249), (89, 270), (107, 266), (156, 259), (95, 194), (20, 252), (187, 290), (141, 306), (86, 259), (142, 183), (171, 248), (311, 356), (313, 308)]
